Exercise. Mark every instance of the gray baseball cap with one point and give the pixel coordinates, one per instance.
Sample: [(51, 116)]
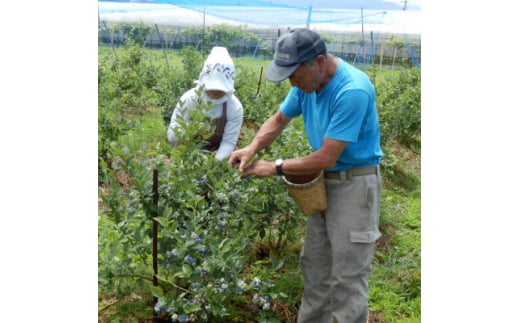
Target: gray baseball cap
[(292, 49)]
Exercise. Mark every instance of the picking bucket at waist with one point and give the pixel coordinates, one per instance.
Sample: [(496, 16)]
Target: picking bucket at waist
[(308, 191)]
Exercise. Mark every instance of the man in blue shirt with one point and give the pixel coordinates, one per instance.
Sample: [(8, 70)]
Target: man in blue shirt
[(337, 103)]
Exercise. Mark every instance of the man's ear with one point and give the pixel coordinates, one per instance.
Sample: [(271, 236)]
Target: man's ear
[(320, 60)]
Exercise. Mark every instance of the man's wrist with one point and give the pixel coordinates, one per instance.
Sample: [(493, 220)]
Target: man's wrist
[(278, 165)]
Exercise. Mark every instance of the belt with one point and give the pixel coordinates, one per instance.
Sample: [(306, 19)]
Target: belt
[(352, 172)]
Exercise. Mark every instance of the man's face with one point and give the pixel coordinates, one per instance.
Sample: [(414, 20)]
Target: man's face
[(307, 78)]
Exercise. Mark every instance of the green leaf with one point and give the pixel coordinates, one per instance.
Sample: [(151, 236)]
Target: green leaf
[(156, 291), (247, 223), (167, 212), (162, 221), (191, 307), (163, 279), (262, 233), (180, 274), (277, 263), (225, 241), (187, 270)]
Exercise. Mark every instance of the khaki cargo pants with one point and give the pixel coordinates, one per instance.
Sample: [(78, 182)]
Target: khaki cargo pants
[(337, 253)]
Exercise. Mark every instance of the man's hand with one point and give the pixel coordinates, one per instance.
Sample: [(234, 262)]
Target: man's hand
[(260, 168), (240, 158)]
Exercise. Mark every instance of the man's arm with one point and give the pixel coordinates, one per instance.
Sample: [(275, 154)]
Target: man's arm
[(265, 136), (323, 159), (269, 131)]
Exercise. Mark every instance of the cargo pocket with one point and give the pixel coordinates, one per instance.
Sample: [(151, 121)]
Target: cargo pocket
[(362, 244)]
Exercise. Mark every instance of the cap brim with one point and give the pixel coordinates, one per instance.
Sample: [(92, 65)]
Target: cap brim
[(276, 73)]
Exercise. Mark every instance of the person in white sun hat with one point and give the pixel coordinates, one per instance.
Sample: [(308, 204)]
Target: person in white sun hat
[(217, 80), (338, 104)]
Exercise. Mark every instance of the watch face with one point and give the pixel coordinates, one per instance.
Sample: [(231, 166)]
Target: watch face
[(278, 163)]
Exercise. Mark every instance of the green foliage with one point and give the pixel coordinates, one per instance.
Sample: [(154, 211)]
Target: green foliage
[(206, 226), (220, 35), (135, 34), (399, 104), (259, 97), (110, 126), (180, 80), (125, 90), (127, 81), (192, 63), (396, 279), (146, 138), (208, 220)]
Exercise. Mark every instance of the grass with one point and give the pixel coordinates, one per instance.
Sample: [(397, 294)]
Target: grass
[(255, 65), (151, 131), (395, 283)]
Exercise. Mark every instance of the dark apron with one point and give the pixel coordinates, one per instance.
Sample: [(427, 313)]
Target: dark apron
[(213, 143)]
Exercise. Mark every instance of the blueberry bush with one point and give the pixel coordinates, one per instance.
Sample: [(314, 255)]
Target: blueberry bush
[(211, 222)]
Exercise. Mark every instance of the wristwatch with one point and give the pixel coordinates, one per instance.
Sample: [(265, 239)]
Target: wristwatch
[(279, 163)]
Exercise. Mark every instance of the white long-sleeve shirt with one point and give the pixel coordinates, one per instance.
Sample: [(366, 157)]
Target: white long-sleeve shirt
[(235, 114)]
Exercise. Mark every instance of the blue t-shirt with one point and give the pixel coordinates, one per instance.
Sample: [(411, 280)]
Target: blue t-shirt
[(345, 110)]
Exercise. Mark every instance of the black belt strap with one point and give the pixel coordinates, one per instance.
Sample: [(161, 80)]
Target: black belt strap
[(353, 172)]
